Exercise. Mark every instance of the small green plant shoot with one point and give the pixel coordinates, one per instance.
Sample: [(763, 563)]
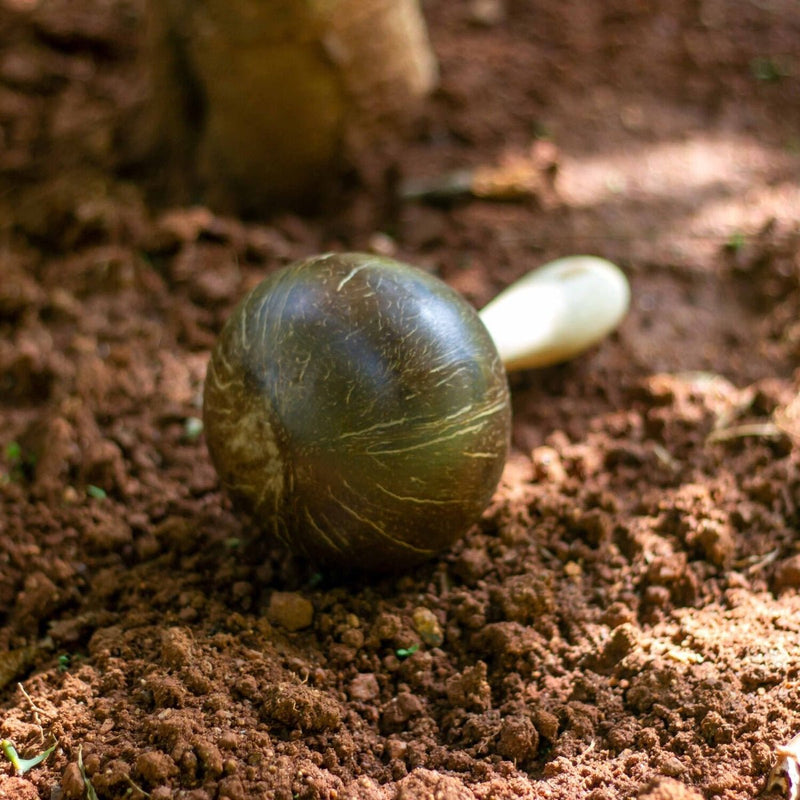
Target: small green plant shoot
[(22, 765)]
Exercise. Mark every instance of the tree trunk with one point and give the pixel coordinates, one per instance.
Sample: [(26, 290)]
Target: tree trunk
[(255, 104)]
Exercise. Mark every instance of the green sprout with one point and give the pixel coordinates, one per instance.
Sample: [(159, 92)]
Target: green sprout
[(91, 794), (13, 452), (96, 492), (135, 787), (67, 661), (768, 69), (405, 652), (315, 580), (192, 428), (22, 765), (20, 463), (736, 241)]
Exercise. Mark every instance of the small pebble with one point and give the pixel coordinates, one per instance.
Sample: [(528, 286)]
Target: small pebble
[(427, 626), (486, 12), (382, 244), (291, 611), (364, 687), (72, 784), (155, 767), (787, 573), (547, 465)]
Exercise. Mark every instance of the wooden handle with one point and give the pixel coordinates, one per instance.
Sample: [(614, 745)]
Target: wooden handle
[(557, 311)]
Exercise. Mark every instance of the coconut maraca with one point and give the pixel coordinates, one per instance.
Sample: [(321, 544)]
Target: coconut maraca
[(359, 409)]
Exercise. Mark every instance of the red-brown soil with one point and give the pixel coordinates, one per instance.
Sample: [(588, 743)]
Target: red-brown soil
[(625, 619)]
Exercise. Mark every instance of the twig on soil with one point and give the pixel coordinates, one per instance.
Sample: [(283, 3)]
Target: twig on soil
[(785, 775), (36, 711), (763, 561), (519, 177), (666, 458), (766, 430)]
